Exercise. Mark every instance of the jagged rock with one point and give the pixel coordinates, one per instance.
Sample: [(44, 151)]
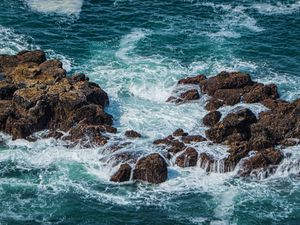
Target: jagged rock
[(132, 134), (214, 104), (212, 118), (192, 80), (265, 161), (261, 92), (188, 158), (237, 124), (151, 168), (123, 173), (206, 162), (192, 138), (225, 80), (43, 97), (179, 133), (184, 97)]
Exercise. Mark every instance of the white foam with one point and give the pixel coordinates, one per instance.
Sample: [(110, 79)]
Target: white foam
[(64, 7), (277, 8)]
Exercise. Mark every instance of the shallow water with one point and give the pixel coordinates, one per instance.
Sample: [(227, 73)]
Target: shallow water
[(136, 51)]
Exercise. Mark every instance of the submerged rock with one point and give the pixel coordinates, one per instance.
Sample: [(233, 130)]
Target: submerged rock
[(151, 168), (132, 134)]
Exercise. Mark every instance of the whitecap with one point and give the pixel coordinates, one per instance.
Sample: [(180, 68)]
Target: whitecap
[(277, 8), (63, 7)]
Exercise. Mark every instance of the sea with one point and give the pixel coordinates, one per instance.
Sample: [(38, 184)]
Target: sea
[(137, 50)]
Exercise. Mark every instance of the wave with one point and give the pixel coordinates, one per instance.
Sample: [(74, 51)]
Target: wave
[(278, 8), (62, 7)]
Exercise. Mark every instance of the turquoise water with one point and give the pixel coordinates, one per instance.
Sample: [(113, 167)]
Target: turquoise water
[(137, 50)]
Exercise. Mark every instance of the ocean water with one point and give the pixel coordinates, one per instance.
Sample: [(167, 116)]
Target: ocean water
[(137, 50)]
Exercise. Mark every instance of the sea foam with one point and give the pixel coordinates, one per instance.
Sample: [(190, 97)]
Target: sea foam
[(64, 7)]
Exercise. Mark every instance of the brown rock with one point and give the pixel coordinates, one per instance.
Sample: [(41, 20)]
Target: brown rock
[(123, 174), (214, 104), (192, 80), (206, 162), (192, 138), (212, 118), (188, 158), (186, 96), (261, 92), (225, 80), (262, 161), (151, 168), (132, 134), (229, 96), (179, 133)]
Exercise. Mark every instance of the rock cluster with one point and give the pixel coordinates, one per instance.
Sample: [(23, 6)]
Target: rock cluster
[(36, 94), (241, 130)]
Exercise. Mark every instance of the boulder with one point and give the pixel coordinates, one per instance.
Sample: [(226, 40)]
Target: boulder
[(151, 168), (132, 134), (192, 138), (179, 133), (214, 104), (192, 80), (206, 162), (212, 118), (123, 173), (261, 92), (188, 158)]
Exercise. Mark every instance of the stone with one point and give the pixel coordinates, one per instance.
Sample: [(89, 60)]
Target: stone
[(188, 158), (212, 118), (123, 173), (151, 168)]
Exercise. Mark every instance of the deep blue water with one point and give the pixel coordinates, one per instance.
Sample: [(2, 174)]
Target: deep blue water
[(137, 50)]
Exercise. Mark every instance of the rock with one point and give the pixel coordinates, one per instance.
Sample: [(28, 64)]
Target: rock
[(123, 173), (237, 124), (151, 168), (206, 162), (132, 134), (184, 97), (192, 138), (212, 118), (261, 92), (229, 96), (214, 104), (36, 56), (179, 133), (188, 158), (192, 80), (225, 80), (263, 161), (40, 96)]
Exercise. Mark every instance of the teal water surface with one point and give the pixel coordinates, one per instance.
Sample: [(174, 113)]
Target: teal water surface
[(136, 51)]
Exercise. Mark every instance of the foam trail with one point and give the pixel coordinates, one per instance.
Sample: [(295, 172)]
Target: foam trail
[(277, 9), (64, 7)]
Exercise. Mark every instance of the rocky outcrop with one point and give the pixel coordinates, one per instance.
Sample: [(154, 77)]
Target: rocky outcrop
[(36, 94), (188, 158), (241, 130), (152, 168)]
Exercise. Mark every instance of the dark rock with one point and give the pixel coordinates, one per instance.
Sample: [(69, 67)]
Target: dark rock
[(237, 124), (186, 96), (262, 161), (36, 56), (192, 80), (261, 92), (152, 169), (192, 138), (179, 133), (6, 90), (188, 158), (225, 80), (229, 96), (132, 134), (212, 118), (214, 104), (123, 174), (206, 162)]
